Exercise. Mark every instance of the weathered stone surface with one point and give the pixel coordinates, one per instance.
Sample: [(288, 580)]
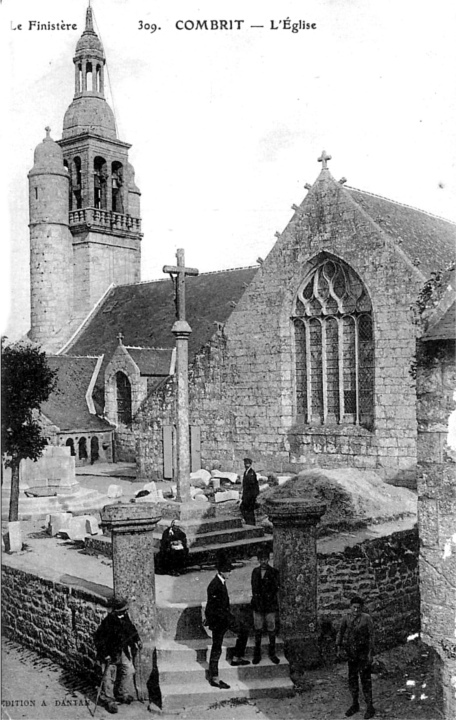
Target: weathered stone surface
[(295, 556), (115, 491), (58, 522)]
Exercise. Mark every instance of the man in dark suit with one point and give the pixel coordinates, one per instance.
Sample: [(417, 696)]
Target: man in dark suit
[(265, 586), (219, 619), (250, 492)]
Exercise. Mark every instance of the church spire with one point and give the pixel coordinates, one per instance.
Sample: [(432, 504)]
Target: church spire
[(89, 61)]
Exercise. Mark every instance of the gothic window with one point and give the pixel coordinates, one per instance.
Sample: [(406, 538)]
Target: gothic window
[(117, 183), (123, 399), (334, 344), (100, 175)]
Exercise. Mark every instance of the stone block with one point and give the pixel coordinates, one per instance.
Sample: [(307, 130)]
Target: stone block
[(115, 491), (224, 475), (227, 495), (58, 522), (92, 527), (77, 528), (200, 478)]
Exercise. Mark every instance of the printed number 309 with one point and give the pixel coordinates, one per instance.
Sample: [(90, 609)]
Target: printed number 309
[(152, 27)]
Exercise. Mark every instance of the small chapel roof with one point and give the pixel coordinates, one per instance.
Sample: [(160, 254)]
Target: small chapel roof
[(151, 361), (428, 240), (145, 312), (67, 407)]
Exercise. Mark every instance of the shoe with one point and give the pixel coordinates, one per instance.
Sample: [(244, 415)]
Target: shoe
[(274, 659), (111, 707), (239, 661), (370, 712), (256, 657), (219, 684), (352, 710), (127, 699)]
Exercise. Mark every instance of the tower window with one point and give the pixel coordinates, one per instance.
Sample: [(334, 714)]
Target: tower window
[(89, 77), (100, 171), (117, 187), (36, 193), (334, 346)]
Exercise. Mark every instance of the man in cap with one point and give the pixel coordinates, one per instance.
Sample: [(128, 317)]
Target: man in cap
[(250, 492), (220, 619), (117, 641), (356, 637)]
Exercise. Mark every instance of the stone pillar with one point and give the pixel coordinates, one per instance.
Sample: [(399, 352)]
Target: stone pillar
[(132, 528), (181, 331), (295, 556)]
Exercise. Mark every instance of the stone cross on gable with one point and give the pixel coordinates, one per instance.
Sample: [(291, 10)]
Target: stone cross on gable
[(120, 338), (178, 274), (324, 157)]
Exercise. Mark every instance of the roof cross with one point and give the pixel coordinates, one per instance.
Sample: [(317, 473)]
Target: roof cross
[(324, 157), (178, 274), (120, 338)]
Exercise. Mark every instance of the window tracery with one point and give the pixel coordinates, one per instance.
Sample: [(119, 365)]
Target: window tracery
[(334, 347)]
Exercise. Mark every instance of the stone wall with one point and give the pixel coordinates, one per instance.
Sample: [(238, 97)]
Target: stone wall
[(384, 572), (436, 380), (51, 618), (243, 384)]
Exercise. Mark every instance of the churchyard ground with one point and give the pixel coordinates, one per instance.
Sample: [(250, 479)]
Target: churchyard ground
[(403, 690)]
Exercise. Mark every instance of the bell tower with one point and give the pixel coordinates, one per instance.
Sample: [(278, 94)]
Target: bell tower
[(104, 206)]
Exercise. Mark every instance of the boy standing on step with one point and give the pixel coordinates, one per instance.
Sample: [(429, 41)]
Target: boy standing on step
[(265, 587), (220, 619)]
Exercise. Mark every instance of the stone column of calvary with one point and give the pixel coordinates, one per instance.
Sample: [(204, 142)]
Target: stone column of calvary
[(295, 556), (132, 528), (181, 330)]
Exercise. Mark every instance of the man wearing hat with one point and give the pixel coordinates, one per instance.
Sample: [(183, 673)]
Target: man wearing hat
[(117, 641), (250, 492), (220, 619), (356, 637)]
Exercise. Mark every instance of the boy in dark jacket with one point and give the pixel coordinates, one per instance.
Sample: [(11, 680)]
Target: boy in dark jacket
[(220, 619), (356, 637), (265, 587), (117, 642)]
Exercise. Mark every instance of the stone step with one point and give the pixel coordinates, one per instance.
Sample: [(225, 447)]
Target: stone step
[(181, 696), (84, 501), (203, 526), (192, 672), (218, 537), (199, 648), (236, 550)]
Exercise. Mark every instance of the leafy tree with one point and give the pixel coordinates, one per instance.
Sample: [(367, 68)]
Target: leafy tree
[(27, 382)]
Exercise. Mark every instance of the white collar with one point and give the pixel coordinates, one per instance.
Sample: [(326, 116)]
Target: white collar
[(222, 579)]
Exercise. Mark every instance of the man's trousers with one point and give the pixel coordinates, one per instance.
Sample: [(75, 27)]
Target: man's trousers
[(360, 667)]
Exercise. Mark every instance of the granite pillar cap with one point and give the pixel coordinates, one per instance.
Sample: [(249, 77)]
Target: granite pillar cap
[(294, 511), (126, 514)]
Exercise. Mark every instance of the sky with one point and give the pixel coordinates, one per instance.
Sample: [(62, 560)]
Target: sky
[(226, 126)]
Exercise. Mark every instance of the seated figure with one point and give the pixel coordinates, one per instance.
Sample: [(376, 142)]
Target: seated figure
[(173, 550)]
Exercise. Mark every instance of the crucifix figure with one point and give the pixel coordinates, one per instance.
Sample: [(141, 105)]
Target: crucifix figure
[(324, 157), (181, 331)]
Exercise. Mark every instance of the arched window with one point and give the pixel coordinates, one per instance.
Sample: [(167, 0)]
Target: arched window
[(94, 449), (117, 187), (123, 399), (76, 182), (100, 177), (70, 444), (82, 448), (334, 345)]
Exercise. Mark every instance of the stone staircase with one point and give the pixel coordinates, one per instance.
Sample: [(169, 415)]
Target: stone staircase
[(82, 501), (183, 666), (205, 536)]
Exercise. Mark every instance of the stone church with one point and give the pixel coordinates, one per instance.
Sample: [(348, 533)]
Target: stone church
[(303, 360)]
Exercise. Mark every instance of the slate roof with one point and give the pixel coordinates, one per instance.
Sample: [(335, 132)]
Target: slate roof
[(426, 238), (145, 313), (67, 406), (151, 361)]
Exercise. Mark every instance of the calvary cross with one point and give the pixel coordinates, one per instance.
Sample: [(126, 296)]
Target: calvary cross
[(324, 157), (178, 273)]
